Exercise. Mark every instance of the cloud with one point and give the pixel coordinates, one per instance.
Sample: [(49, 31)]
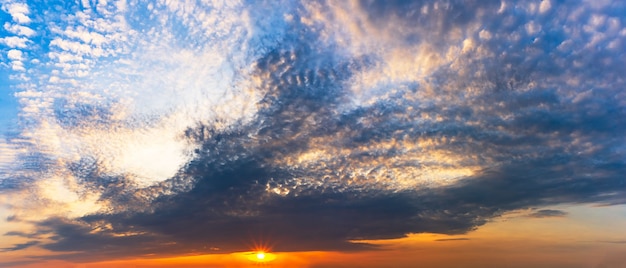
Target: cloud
[(19, 30), (15, 42), (615, 242), (18, 11), (545, 6), (452, 239), (197, 129), (8, 153), (548, 213), (21, 246), (15, 55), (71, 135)]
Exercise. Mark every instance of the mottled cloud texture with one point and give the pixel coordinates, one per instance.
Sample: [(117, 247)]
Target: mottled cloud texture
[(195, 127)]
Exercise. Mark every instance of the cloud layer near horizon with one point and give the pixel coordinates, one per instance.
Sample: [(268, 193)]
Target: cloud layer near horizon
[(192, 127)]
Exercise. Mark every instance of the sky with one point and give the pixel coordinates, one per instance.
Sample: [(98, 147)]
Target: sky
[(323, 133)]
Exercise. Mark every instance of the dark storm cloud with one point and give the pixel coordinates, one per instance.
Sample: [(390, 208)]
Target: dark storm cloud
[(548, 213), (539, 140)]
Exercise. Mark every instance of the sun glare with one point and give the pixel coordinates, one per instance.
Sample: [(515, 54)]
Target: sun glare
[(260, 256)]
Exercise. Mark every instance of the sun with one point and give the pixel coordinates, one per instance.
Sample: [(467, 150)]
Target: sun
[(260, 250), (260, 256)]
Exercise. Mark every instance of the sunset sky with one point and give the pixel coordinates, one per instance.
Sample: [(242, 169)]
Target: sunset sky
[(322, 133)]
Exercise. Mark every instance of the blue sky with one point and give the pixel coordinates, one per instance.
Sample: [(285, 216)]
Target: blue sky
[(134, 127), (9, 106)]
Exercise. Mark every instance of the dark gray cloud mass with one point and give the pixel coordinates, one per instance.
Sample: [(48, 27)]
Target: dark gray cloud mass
[(540, 111)]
